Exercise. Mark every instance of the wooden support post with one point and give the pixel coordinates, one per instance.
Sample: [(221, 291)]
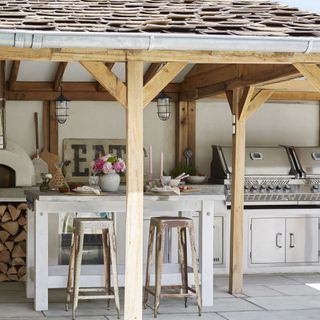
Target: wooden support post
[(134, 222), (185, 130), (243, 102), (238, 167)]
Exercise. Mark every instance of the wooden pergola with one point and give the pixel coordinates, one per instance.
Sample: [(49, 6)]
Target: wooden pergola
[(247, 78)]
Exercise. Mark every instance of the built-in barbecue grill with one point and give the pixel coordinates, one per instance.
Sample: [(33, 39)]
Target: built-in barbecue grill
[(272, 174)]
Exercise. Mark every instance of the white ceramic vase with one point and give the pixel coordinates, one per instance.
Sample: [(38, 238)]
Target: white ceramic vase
[(109, 182)]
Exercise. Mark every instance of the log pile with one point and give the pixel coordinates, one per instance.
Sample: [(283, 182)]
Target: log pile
[(13, 234)]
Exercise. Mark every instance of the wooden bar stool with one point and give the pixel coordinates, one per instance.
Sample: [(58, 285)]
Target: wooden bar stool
[(182, 224), (109, 250)]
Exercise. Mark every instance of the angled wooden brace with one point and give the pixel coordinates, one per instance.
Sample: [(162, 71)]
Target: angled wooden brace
[(108, 80)]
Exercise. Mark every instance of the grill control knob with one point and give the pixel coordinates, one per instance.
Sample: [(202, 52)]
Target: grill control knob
[(246, 188), (271, 187), (315, 188), (278, 188), (287, 187), (254, 188), (262, 188)]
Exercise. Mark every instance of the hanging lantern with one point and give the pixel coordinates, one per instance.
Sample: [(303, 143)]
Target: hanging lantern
[(62, 108), (163, 106)]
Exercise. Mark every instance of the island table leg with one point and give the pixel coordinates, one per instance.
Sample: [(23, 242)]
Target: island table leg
[(30, 254), (206, 251), (41, 260)]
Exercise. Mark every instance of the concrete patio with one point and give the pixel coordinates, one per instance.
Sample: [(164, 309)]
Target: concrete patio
[(265, 297)]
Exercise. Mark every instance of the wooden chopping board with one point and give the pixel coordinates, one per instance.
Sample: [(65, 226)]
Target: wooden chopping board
[(50, 158)]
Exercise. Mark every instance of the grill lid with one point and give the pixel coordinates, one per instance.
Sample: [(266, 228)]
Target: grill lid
[(308, 161), (264, 162)]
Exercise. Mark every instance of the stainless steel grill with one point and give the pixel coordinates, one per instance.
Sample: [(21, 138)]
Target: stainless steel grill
[(273, 175)]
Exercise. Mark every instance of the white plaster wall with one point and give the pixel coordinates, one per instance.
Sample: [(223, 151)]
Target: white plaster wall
[(93, 120), (20, 123), (273, 124)]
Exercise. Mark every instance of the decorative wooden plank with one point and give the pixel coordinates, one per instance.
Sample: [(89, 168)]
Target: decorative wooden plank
[(3, 137), (13, 74), (46, 124), (54, 129), (160, 80), (59, 75), (134, 222), (108, 80)]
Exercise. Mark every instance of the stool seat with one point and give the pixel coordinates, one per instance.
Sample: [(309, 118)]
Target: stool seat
[(109, 251), (171, 222), (158, 225)]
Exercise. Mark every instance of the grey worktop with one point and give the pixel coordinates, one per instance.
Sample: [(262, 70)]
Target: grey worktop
[(13, 194), (19, 194)]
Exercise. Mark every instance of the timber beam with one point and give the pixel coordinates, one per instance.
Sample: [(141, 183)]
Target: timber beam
[(59, 75), (311, 72), (108, 80), (13, 74), (151, 71), (207, 80), (75, 91), (160, 80), (223, 57)]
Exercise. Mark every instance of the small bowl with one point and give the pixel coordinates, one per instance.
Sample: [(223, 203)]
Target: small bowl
[(174, 183), (196, 179)]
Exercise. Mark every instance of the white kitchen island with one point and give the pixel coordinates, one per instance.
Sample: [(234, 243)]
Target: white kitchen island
[(41, 276)]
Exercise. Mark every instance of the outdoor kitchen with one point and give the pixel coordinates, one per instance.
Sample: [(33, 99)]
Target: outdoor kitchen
[(156, 175)]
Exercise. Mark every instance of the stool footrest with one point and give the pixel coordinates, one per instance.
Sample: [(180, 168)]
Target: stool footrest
[(70, 290), (96, 297), (181, 295)]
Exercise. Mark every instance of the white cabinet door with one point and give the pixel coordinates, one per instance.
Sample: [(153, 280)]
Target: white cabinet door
[(268, 240), (218, 240), (302, 240)]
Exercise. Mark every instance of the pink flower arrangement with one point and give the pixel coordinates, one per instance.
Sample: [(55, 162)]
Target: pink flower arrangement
[(108, 164)]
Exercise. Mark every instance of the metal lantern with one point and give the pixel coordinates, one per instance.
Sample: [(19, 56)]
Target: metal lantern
[(62, 108), (163, 106)]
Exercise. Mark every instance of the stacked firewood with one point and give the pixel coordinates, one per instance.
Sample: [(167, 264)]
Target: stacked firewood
[(13, 234)]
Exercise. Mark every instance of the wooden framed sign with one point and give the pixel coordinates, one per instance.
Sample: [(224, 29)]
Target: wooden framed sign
[(81, 152)]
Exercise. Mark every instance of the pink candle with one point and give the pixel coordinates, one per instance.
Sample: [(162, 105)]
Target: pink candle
[(150, 162), (161, 164)]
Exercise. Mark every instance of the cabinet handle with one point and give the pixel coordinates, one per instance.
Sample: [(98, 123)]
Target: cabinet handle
[(292, 240), (278, 240)]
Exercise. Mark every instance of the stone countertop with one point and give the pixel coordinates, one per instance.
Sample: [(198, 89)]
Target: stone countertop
[(214, 192), (13, 194)]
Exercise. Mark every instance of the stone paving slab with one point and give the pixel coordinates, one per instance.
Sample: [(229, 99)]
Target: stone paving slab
[(287, 302), (274, 315)]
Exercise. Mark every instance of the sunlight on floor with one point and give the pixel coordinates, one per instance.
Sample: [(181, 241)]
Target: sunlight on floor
[(314, 285)]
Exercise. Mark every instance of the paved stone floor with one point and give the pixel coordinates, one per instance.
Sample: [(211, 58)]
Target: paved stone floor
[(265, 297)]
